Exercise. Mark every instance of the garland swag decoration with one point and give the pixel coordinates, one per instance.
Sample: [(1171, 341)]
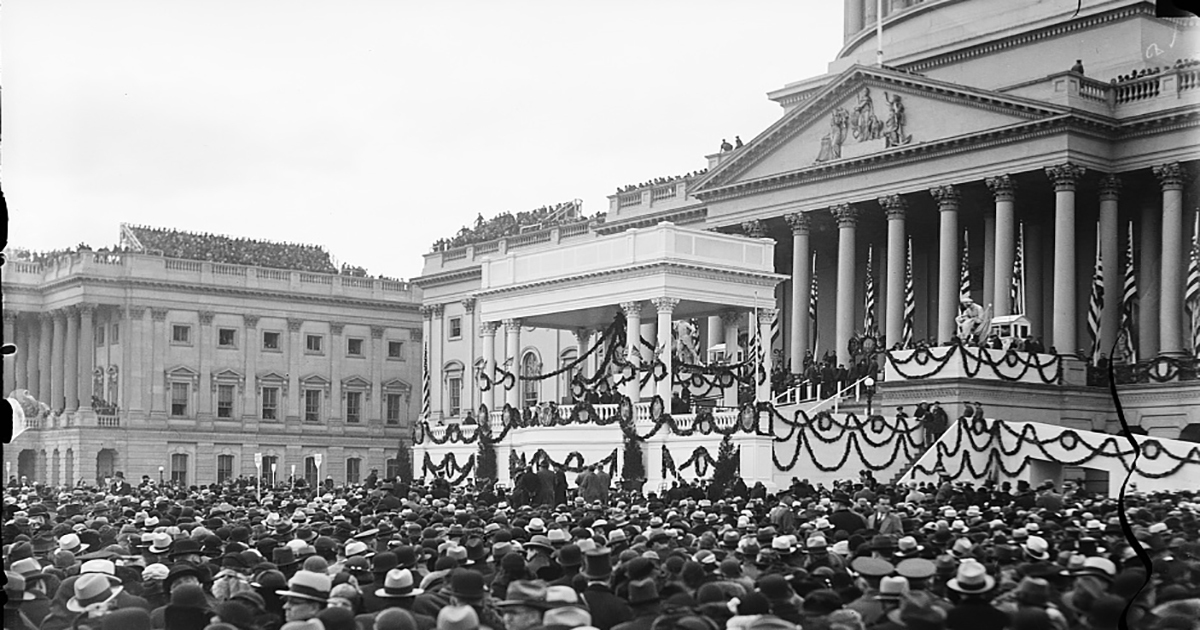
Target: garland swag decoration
[(1012, 366), (449, 466)]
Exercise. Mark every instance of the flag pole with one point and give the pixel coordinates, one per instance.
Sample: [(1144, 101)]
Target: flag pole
[(879, 32)]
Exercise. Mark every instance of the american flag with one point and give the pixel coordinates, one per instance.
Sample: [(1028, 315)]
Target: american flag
[(909, 300), (1096, 302), (1191, 296), (1129, 302), (426, 386), (869, 299), (964, 274), (1017, 292), (812, 304)]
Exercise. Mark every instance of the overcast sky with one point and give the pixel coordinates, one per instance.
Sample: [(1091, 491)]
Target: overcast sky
[(373, 128)]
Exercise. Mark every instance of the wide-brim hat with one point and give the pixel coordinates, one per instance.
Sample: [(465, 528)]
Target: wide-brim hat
[(399, 584), (90, 590), (308, 585), (972, 577)]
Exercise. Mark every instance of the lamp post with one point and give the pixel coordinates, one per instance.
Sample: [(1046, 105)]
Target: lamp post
[(869, 385), (160, 475)]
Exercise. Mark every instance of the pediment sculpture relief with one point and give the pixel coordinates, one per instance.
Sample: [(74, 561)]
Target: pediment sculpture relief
[(864, 125)]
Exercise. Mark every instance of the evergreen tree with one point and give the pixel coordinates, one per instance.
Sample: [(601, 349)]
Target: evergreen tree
[(728, 463)]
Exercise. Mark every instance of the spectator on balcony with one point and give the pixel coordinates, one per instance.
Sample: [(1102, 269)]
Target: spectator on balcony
[(725, 146)]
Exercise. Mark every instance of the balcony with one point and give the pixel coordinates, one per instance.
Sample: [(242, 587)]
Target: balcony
[(1168, 89), (131, 266)]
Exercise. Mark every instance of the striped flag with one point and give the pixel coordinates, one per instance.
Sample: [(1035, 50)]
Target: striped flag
[(964, 274), (910, 307), (426, 386), (1017, 292), (1096, 301), (812, 305), (1129, 303), (869, 298), (1191, 295)]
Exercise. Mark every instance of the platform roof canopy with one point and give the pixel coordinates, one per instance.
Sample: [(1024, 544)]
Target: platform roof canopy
[(582, 285)]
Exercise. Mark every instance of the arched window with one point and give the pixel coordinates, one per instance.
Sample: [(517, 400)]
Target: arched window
[(564, 380), (453, 372), (530, 389)]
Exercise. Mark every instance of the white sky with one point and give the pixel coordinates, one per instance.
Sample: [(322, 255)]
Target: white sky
[(373, 128)]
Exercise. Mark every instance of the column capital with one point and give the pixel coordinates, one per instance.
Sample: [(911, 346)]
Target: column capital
[(119, 312), (1110, 186), (894, 206), (665, 304), (377, 332), (846, 215), (1170, 176), (469, 305), (1002, 186), (947, 197), (1064, 175), (631, 308), (136, 312), (336, 328), (251, 321), (582, 332), (767, 315), (427, 312), (46, 317), (10, 316), (512, 325), (799, 222), (61, 314), (731, 318), (206, 317), (438, 309), (158, 314), (86, 307), (488, 329), (754, 228), (294, 324)]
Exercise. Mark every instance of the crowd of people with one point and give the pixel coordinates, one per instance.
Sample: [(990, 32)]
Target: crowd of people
[(400, 555), (506, 224), (659, 181), (1138, 73), (218, 248)]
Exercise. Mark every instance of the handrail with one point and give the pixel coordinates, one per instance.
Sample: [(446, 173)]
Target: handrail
[(792, 396), (836, 399)]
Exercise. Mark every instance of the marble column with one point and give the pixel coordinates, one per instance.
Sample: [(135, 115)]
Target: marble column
[(488, 332), (633, 354), (87, 354), (762, 391), (1034, 304), (57, 358), (1111, 254), (71, 361), (1004, 190), (160, 401), (1170, 302), (730, 319), (10, 361), (1064, 336), (893, 325), (28, 352), (45, 357), (847, 221), (23, 338), (512, 352), (989, 257), (665, 307), (801, 289), (853, 17), (1149, 234), (947, 198), (583, 338), (714, 335)]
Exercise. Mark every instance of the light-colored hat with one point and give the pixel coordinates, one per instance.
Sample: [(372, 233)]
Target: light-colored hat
[(70, 542), (569, 616), (972, 577), (102, 567), (160, 543), (399, 583), (457, 618), (893, 587), (308, 585), (92, 589), (1037, 548), (156, 571)]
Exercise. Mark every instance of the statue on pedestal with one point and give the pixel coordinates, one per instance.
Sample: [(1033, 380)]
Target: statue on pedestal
[(973, 321)]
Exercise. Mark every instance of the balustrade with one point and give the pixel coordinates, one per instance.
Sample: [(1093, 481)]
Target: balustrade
[(1139, 90)]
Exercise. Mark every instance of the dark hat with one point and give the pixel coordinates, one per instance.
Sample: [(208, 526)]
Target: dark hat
[(184, 547), (775, 586), (643, 592), (179, 570), (466, 585), (524, 593), (569, 556), (598, 564), (283, 557), (126, 619), (383, 562)]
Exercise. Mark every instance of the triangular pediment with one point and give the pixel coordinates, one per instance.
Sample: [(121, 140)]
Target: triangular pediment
[(869, 112), (356, 382), (396, 385), (183, 373), (228, 375), (315, 380), (272, 377)]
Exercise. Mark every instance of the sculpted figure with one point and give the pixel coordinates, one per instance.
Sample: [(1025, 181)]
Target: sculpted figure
[(970, 320), (864, 124), (893, 129), (831, 143)]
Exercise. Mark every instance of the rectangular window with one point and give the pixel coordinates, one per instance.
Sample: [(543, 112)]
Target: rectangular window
[(354, 347), (179, 464), (100, 335), (270, 467), (393, 408), (179, 399), (310, 472), (224, 468), (352, 469), (312, 405), (270, 403), (353, 406), (224, 401), (455, 386), (270, 341), (116, 334), (395, 349), (226, 337), (392, 468), (312, 344), (455, 327), (181, 334)]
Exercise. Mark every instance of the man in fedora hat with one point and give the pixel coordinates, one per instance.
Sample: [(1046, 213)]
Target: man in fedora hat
[(608, 610), (15, 597), (645, 603), (306, 595), (466, 588), (974, 610), (523, 605), (398, 591)]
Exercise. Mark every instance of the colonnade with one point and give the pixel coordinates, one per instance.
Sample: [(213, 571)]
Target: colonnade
[(1166, 320), (55, 357)]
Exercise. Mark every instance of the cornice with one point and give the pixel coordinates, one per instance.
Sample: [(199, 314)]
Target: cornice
[(678, 216), (81, 280), (637, 271), (453, 276)]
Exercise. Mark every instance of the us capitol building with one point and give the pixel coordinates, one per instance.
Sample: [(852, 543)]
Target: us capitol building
[(1030, 156)]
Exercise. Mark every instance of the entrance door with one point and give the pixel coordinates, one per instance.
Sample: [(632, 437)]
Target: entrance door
[(27, 464), (106, 464)]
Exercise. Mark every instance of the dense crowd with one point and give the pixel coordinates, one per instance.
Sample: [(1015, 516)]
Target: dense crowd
[(659, 181), (234, 251), (506, 224), (405, 556), (42, 258), (1138, 73)]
